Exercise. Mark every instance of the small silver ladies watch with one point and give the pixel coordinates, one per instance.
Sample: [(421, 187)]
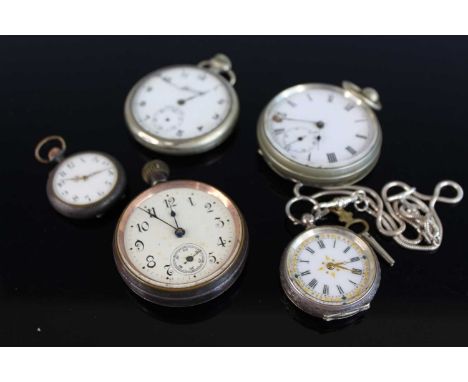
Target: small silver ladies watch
[(82, 185)]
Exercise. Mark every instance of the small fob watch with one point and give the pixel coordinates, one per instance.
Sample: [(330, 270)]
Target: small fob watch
[(83, 185), (331, 272), (179, 243), (184, 109), (321, 135)]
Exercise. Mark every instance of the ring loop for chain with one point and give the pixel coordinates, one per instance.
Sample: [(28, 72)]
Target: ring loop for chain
[(220, 64), (307, 219), (54, 153)]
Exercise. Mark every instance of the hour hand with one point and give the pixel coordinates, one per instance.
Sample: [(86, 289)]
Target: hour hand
[(179, 232)]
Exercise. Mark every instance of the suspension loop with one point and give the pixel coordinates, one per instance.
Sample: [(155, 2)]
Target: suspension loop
[(55, 154), (220, 64), (307, 219)]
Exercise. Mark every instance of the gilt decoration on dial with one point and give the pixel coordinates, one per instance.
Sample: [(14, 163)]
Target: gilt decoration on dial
[(332, 269)]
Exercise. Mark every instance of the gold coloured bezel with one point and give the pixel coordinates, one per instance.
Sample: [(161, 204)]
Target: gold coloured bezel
[(195, 145), (236, 255)]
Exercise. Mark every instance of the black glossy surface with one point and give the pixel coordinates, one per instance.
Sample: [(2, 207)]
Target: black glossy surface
[(58, 275)]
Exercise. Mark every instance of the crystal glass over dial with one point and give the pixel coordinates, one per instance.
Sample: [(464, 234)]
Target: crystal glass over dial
[(332, 269), (179, 235), (84, 178), (180, 102), (321, 127), (330, 272), (321, 135)]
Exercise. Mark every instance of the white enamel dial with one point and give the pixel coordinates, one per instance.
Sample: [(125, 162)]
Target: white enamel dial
[(320, 127), (180, 237), (332, 268), (180, 102), (84, 178)]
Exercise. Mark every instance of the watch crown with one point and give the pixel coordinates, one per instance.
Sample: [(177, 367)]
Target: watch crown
[(368, 95), (155, 171)]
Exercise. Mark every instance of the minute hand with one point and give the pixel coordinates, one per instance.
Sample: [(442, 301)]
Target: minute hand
[(153, 215)]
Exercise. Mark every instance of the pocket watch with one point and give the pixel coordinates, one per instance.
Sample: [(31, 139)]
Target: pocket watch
[(82, 185), (329, 271), (179, 243), (321, 135), (184, 109)]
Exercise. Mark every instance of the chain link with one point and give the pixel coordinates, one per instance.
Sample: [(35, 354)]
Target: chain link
[(394, 213)]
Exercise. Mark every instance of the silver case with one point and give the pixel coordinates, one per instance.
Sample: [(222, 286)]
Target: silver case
[(189, 146), (327, 312), (314, 176), (89, 210)]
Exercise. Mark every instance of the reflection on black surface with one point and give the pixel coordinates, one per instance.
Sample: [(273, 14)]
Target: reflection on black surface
[(280, 186), (191, 314), (187, 161), (317, 324)]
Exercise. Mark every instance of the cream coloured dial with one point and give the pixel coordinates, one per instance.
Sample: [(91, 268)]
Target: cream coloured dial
[(180, 237)]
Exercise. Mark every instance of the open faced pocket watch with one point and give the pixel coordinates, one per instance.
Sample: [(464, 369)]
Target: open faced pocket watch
[(321, 135), (179, 243), (82, 185), (329, 271), (184, 109)]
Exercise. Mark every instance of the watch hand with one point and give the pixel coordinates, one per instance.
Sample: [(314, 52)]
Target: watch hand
[(189, 258), (298, 139), (75, 178), (182, 101), (281, 118), (153, 215), (173, 214), (94, 173)]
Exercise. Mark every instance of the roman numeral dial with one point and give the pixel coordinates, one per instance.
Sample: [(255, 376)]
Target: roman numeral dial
[(320, 127), (332, 267)]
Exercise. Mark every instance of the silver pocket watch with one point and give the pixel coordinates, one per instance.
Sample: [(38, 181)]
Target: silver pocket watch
[(179, 243), (321, 135), (329, 271), (184, 109), (82, 185)]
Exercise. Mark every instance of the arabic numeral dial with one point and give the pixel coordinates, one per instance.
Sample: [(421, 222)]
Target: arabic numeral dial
[(180, 235)]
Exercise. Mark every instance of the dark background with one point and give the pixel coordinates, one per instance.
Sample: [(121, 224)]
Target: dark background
[(58, 282)]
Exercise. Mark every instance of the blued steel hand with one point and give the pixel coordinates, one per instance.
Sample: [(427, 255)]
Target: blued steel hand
[(153, 215)]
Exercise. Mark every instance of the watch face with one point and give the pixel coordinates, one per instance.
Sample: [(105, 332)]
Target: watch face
[(84, 178), (332, 268), (320, 126), (180, 102), (180, 234)]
